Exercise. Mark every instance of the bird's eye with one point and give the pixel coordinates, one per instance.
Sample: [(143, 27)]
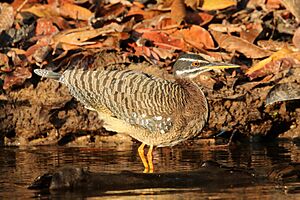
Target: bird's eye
[(195, 64)]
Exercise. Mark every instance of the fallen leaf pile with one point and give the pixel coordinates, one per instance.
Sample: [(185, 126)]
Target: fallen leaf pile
[(262, 36)]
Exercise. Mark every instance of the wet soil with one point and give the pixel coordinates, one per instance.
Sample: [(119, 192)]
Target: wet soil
[(43, 112)]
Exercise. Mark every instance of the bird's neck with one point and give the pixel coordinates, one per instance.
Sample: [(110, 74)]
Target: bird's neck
[(196, 108), (190, 87)]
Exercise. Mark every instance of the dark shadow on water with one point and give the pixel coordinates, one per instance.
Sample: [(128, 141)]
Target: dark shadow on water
[(20, 166)]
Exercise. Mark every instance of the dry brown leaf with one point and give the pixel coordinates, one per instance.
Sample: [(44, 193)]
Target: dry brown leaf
[(227, 28), (277, 55), (273, 4), (255, 3), (15, 50), (271, 45), (273, 67), (124, 2), (42, 10), (163, 53), (195, 36), (144, 51), (80, 36), (294, 7), (164, 5), (111, 10), (178, 46), (64, 9), (165, 24), (97, 45), (138, 4), (217, 4), (178, 12), (152, 52), (17, 3), (6, 16), (198, 37), (200, 18), (77, 36), (252, 32), (45, 27), (232, 43), (296, 38), (17, 57), (74, 12), (17, 77), (147, 14), (4, 66), (162, 40), (194, 4), (218, 56), (281, 59), (159, 22), (37, 48)]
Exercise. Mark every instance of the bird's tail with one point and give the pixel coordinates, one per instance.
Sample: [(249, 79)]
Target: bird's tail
[(48, 74)]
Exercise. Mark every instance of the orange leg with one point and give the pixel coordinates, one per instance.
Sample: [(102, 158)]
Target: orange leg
[(150, 159), (142, 156)]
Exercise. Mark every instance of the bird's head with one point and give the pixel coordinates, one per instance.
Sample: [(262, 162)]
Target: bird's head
[(192, 65)]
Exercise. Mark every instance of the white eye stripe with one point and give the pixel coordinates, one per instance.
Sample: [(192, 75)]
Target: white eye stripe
[(193, 60), (188, 71)]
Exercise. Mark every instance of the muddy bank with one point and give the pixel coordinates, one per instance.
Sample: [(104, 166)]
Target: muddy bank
[(241, 107), (43, 111)]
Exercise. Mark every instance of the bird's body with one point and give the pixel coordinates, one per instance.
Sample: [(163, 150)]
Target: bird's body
[(155, 111), (152, 110)]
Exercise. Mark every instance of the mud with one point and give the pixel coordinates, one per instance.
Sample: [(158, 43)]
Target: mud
[(242, 108), (43, 112)]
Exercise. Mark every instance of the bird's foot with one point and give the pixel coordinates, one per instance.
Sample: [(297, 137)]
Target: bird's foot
[(147, 162), (150, 159)]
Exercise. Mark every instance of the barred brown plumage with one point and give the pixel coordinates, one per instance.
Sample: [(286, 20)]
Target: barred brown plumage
[(155, 111)]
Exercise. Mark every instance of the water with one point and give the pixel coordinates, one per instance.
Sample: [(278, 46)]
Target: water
[(19, 166)]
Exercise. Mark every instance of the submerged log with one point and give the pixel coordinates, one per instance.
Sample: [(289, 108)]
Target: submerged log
[(43, 111), (210, 175)]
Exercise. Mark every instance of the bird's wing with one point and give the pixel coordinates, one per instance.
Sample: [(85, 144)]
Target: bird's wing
[(135, 97)]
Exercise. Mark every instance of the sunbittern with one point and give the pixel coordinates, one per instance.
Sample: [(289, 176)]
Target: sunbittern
[(155, 111)]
